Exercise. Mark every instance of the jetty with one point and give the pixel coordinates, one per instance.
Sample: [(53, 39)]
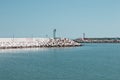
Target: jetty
[(8, 43), (98, 40)]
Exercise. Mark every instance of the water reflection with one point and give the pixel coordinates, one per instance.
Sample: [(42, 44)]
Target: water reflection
[(22, 50)]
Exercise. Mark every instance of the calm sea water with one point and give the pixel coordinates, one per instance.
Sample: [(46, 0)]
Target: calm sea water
[(89, 62)]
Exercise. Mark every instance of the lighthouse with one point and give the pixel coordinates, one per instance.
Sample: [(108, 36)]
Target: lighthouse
[(54, 33)]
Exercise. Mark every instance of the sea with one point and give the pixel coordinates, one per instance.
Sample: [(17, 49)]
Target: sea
[(92, 61)]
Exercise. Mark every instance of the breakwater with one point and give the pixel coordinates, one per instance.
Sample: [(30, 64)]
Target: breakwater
[(98, 40), (6, 43)]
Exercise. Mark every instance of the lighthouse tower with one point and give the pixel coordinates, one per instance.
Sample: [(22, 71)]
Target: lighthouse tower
[(54, 33)]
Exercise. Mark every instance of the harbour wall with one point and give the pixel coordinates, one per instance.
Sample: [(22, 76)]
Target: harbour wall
[(6, 43), (98, 40)]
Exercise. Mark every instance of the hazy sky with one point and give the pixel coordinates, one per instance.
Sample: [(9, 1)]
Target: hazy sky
[(71, 18)]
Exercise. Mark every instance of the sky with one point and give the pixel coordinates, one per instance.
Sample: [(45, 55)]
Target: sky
[(71, 18)]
